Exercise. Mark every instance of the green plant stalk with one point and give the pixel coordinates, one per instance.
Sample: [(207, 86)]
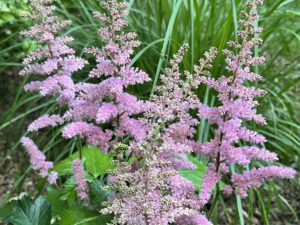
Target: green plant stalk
[(215, 201), (79, 146)]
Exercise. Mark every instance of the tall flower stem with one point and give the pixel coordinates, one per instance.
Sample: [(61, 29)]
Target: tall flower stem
[(215, 201), (79, 146), (226, 117)]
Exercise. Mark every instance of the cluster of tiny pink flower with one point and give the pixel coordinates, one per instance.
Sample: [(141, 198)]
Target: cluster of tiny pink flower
[(156, 184), (238, 105), (38, 160), (148, 188), (107, 102), (81, 184), (151, 191), (55, 64), (103, 102)]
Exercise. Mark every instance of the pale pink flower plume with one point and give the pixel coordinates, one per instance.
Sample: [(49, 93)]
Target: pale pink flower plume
[(38, 160), (82, 188), (255, 177), (45, 121)]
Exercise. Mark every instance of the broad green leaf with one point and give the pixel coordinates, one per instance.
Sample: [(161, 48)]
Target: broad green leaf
[(96, 162), (81, 216), (28, 212)]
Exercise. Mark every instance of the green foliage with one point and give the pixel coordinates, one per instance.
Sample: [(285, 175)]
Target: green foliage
[(97, 194), (68, 192), (96, 162), (70, 211), (6, 209), (196, 175), (27, 212), (82, 216), (54, 197), (11, 10)]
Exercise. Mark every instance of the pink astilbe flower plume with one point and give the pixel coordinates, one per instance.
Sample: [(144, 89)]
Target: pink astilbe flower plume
[(237, 105), (54, 62), (38, 160), (152, 192), (45, 121), (82, 187), (255, 177), (93, 134), (210, 179), (107, 101)]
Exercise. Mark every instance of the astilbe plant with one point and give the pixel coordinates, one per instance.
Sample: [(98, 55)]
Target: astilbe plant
[(145, 184), (107, 102), (89, 105), (54, 62), (149, 190), (237, 106), (38, 160)]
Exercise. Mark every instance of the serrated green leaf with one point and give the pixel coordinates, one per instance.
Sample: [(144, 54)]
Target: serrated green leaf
[(96, 162), (28, 212)]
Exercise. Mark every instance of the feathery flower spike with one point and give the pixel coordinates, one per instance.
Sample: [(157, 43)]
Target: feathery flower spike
[(82, 188)]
